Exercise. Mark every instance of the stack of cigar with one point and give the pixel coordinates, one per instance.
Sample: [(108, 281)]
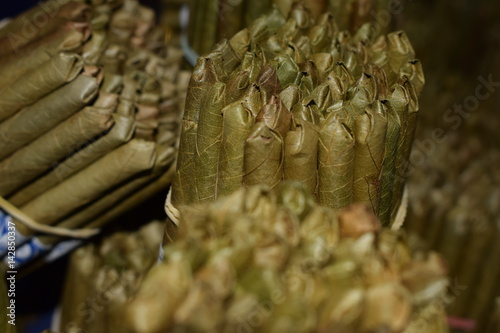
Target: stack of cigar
[(89, 112), (264, 260), (292, 98)]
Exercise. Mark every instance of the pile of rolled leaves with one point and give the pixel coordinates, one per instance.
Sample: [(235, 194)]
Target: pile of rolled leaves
[(101, 279), (275, 261), (298, 99), (212, 20), (454, 200), (89, 112)]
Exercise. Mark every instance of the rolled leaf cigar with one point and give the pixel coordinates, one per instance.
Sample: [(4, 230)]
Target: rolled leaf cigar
[(404, 149), (36, 119), (320, 36), (268, 82), (254, 10), (145, 22), (337, 86), (490, 273), (208, 142), (79, 273), (303, 44), (389, 165), (204, 75), (90, 183), (240, 42), (396, 303), (370, 83), (237, 123), (120, 133), (306, 83), (307, 110), (35, 84), (208, 29), (400, 50), (263, 160), (94, 48), (324, 64), (413, 70), (399, 100), (301, 154), (237, 85), (113, 59), (361, 98), (104, 281), (173, 280), (382, 91), (123, 24), (287, 70), (131, 201), (106, 100), (231, 58), (413, 108), (230, 18), (259, 30), (336, 153), (290, 96), (14, 40), (478, 246), (195, 23), (253, 64), (253, 100), (37, 157), (370, 131), (275, 115), (112, 83), (322, 97), (34, 54), (92, 212), (123, 290), (39, 21), (310, 73)]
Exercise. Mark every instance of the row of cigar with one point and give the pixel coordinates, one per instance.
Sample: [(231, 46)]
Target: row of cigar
[(291, 98), (212, 20), (262, 260), (455, 207), (89, 108)]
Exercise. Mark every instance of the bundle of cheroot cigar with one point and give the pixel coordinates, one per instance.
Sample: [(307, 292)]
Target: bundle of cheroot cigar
[(261, 261), (89, 113), (297, 99), (264, 260)]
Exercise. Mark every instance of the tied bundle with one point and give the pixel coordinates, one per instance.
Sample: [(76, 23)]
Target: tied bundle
[(88, 114), (454, 202), (107, 274), (213, 20), (274, 261), (298, 99)]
